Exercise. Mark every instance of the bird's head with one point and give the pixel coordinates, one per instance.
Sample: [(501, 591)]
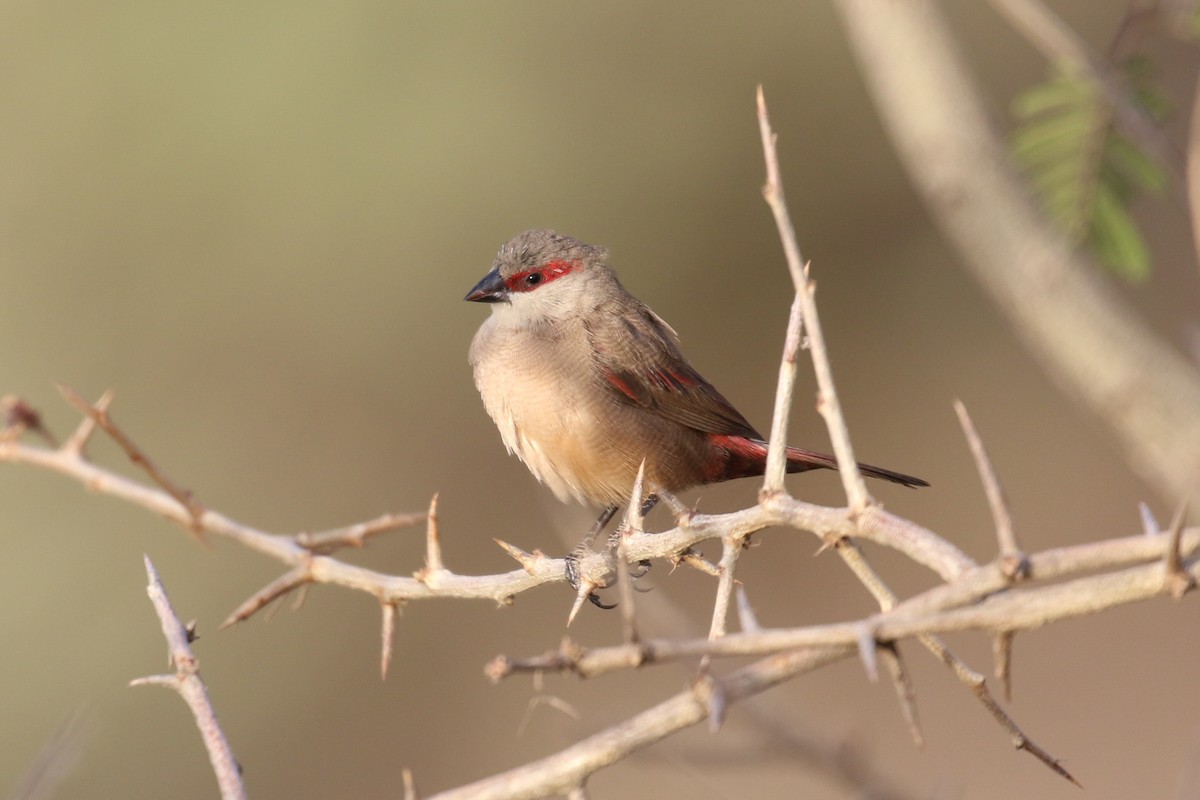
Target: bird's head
[(541, 274)]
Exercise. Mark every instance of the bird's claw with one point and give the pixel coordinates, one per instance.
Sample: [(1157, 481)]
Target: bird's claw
[(595, 600), (575, 578)]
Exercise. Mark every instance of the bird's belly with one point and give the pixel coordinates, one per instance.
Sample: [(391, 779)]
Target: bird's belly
[(569, 429), (568, 450)]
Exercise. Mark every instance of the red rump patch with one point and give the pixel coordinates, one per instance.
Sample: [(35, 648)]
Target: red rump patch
[(530, 279), (745, 458)]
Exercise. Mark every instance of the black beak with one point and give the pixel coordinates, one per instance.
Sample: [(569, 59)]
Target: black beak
[(490, 289)]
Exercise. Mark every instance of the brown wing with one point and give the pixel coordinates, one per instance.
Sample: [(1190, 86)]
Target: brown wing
[(636, 353)]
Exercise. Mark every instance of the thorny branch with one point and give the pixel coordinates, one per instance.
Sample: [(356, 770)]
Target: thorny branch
[(852, 480), (186, 681)]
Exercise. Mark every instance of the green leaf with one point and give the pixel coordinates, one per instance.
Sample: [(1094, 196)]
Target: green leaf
[(1084, 170), (1116, 239), (1053, 136), (1057, 93), (1141, 170)]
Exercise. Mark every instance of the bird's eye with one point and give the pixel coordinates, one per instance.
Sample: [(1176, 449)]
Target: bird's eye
[(533, 279)]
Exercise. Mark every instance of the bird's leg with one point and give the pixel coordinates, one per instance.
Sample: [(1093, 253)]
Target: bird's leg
[(574, 578), (681, 512), (601, 521), (648, 504)]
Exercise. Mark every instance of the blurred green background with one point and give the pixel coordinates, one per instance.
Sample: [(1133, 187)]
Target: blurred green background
[(256, 222)]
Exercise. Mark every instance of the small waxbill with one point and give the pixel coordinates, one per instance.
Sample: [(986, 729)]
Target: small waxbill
[(584, 381)]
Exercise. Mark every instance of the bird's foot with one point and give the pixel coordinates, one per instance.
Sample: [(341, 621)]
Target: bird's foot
[(574, 572), (575, 578)]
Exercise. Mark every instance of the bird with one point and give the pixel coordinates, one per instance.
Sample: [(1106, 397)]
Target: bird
[(585, 382)]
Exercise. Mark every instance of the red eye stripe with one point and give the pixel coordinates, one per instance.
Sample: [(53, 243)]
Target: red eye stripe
[(529, 279)]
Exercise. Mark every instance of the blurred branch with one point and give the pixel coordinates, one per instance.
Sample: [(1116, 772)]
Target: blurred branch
[(186, 681), (1085, 335), (1193, 170), (54, 762)]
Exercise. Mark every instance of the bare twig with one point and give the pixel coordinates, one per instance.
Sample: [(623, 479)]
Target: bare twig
[(634, 523), (747, 621), (784, 388), (410, 785), (906, 693), (186, 681), (98, 413), (1149, 523), (731, 548), (55, 760), (1010, 552), (1002, 647), (292, 579), (827, 401), (1178, 579), (433, 544), (387, 637), (87, 427), (356, 535), (978, 686)]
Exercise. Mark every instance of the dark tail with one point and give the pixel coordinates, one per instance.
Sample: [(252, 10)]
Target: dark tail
[(802, 460)]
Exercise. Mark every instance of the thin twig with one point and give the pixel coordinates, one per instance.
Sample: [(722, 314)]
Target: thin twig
[(99, 414), (731, 548), (634, 523), (975, 682), (356, 535), (387, 637), (1149, 523), (827, 401), (1178, 579), (87, 427), (747, 620), (1010, 552), (906, 692), (1012, 560), (784, 389), (410, 785), (1002, 647), (434, 568), (292, 579), (186, 681)]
